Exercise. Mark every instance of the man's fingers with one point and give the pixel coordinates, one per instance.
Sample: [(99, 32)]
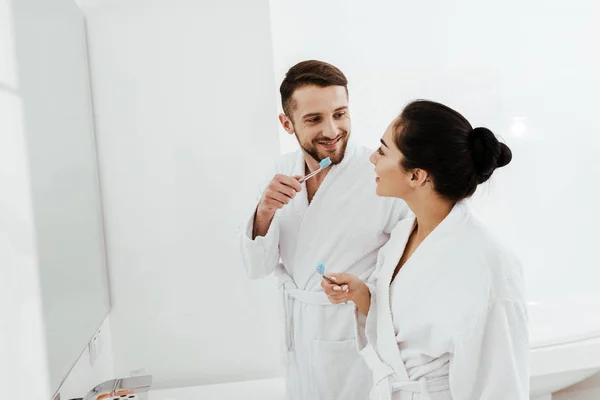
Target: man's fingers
[(283, 199), (290, 181)]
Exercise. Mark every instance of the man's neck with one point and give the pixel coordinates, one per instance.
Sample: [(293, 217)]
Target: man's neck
[(314, 183)]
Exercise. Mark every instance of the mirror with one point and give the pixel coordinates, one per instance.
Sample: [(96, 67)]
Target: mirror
[(51, 211)]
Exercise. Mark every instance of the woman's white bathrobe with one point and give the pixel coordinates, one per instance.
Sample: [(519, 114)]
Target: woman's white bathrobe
[(453, 323)]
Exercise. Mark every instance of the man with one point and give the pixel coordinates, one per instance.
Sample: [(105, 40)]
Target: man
[(334, 218)]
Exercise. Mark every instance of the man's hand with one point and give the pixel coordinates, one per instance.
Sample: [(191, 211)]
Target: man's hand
[(281, 190)]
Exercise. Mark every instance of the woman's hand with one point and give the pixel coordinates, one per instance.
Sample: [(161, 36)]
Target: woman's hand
[(347, 287)]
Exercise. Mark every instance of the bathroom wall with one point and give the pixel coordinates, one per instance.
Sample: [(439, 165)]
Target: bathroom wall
[(23, 358)]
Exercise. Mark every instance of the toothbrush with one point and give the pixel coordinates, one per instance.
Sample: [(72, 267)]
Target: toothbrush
[(326, 162), (321, 271)]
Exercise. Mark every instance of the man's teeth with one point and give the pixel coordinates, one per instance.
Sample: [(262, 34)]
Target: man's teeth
[(328, 143)]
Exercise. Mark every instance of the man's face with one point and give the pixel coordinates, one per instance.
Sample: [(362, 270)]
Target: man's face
[(321, 121)]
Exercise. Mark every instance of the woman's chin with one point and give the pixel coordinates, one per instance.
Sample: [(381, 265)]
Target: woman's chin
[(383, 193)]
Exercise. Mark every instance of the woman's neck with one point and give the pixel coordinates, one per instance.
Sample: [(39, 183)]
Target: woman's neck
[(429, 211)]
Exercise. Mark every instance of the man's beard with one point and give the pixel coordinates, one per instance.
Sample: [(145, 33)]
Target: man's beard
[(336, 156)]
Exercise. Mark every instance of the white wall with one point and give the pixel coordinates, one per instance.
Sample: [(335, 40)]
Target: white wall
[(22, 346), (23, 358), (51, 246), (186, 125), (525, 69)]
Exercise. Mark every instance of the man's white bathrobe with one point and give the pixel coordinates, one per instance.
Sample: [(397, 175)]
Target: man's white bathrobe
[(344, 227), (453, 323)]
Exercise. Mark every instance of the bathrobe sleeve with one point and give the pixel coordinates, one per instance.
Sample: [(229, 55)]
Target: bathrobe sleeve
[(261, 255), (361, 321)]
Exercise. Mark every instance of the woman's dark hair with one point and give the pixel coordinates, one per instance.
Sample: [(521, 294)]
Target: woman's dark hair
[(437, 139)]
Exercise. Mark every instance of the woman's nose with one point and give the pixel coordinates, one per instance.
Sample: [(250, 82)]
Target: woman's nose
[(373, 158)]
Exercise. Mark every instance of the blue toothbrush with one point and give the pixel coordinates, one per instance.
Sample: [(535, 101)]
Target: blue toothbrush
[(321, 271), (326, 162)]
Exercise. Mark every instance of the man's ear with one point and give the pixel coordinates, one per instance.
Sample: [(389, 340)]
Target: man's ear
[(287, 124)]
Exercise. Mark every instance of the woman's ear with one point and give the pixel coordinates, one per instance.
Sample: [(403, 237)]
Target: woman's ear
[(419, 177)]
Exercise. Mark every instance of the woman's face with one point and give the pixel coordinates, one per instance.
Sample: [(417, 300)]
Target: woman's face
[(392, 180)]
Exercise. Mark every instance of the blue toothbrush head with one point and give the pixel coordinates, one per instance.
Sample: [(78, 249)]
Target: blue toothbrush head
[(326, 162), (321, 269)]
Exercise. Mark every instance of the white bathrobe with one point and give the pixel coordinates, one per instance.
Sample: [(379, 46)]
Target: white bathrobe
[(453, 323), (344, 227)]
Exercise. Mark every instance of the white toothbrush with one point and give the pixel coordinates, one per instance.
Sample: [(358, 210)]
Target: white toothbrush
[(326, 162)]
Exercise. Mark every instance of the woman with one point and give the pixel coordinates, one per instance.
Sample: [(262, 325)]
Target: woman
[(443, 316)]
